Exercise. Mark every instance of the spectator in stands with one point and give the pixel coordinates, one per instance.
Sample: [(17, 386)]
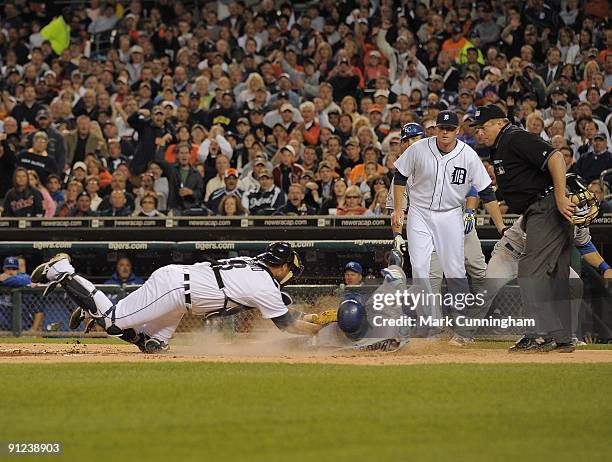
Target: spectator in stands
[(54, 186), (49, 205), (353, 274), (148, 206), (70, 198), (183, 135), (117, 205), (95, 168), (22, 200), (56, 145), (83, 207), (295, 203), (11, 275), (27, 108), (147, 185), (92, 186), (353, 203), (118, 183), (154, 133), (161, 184), (79, 172), (185, 183), (37, 158), (85, 138), (115, 156), (124, 275), (337, 199), (287, 171), (596, 160), (266, 198), (311, 128), (231, 206), (231, 179), (218, 181), (251, 180), (604, 205), (379, 204)]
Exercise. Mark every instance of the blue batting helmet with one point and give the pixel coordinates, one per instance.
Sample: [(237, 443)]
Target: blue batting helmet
[(352, 319), (411, 129)]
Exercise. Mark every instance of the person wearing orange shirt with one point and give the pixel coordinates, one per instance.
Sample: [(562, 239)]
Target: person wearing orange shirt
[(455, 43), (357, 174)]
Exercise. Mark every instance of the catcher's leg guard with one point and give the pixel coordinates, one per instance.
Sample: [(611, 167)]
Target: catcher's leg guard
[(131, 336), (79, 294)]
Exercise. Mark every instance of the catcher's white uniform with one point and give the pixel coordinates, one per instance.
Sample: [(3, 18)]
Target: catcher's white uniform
[(157, 307)]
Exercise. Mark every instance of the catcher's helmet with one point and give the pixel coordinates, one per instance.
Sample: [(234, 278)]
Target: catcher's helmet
[(279, 253), (410, 130), (352, 319), (587, 207)]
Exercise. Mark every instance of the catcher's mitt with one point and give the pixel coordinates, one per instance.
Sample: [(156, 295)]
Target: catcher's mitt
[(324, 317)]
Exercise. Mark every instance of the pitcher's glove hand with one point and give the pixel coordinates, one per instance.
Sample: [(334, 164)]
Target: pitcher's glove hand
[(399, 243), (468, 220), (322, 318)]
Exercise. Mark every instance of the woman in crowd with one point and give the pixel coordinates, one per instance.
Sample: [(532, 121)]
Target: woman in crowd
[(230, 206), (338, 198), (160, 183), (22, 200), (49, 204), (147, 206), (353, 204)]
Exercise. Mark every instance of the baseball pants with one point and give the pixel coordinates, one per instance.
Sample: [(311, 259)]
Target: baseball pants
[(156, 308), (503, 268), (543, 271)]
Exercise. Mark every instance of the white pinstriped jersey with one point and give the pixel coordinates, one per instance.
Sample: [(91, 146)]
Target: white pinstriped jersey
[(441, 182)]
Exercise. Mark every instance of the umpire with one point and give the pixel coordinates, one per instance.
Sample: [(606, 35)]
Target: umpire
[(531, 176)]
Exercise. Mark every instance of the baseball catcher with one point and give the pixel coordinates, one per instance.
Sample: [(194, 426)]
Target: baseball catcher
[(149, 316)]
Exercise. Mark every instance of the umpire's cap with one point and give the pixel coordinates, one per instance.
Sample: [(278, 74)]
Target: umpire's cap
[(279, 253), (486, 113), (411, 129)]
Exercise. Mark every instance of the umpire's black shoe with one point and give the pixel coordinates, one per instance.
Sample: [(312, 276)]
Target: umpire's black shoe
[(522, 346), (565, 347), (543, 345)]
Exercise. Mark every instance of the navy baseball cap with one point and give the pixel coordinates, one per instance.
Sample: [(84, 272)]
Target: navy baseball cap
[(447, 119), (354, 267), (11, 263), (486, 113), (412, 129)]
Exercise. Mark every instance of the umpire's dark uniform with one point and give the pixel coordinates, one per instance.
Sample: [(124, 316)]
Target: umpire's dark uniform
[(520, 160)]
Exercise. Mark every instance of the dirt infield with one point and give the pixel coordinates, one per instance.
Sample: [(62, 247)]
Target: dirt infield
[(417, 352)]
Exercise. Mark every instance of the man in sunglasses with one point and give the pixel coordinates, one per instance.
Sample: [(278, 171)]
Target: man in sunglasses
[(149, 316)]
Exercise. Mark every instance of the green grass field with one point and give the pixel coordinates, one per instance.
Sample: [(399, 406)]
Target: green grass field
[(183, 411)]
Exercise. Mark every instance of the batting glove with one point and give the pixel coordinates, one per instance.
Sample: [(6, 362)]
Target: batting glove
[(399, 243), (468, 220)]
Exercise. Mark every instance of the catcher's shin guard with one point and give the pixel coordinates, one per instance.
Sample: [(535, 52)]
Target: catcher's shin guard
[(79, 294)]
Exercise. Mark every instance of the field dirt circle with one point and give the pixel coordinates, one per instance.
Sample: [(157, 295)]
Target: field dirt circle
[(417, 352)]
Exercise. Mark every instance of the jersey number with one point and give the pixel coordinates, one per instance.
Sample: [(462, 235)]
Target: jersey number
[(231, 264)]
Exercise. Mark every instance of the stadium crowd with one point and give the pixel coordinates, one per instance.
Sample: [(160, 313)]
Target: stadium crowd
[(198, 108)]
